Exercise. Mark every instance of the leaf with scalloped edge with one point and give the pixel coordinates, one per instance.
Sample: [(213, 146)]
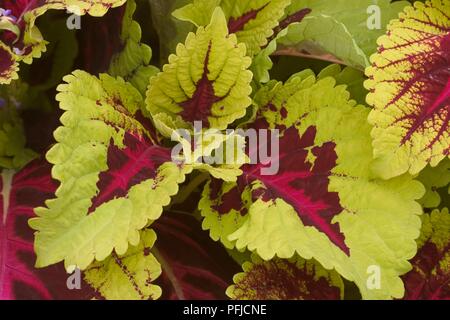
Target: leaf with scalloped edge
[(27, 42), (410, 91), (324, 203), (434, 179), (285, 279), (129, 276), (430, 277), (183, 263), (207, 80), (20, 192), (133, 61), (114, 178), (253, 21)]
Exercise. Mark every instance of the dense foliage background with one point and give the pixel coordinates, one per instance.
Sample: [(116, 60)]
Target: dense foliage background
[(93, 205)]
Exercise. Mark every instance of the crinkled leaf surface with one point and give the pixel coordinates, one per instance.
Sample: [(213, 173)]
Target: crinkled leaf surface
[(324, 202), (410, 90), (207, 80), (114, 178), (430, 277), (285, 279), (20, 193), (129, 276)]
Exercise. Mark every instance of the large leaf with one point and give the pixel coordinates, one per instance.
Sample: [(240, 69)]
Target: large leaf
[(27, 42), (280, 279), (114, 178), (207, 80), (430, 277), (410, 90), (20, 193), (183, 263), (324, 202)]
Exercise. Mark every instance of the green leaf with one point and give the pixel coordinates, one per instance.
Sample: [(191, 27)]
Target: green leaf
[(13, 151), (409, 90), (274, 221), (129, 276), (133, 62), (433, 180), (336, 30), (199, 12), (207, 80), (114, 178)]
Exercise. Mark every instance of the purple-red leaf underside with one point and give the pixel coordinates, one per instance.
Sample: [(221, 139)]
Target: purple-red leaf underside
[(18, 277), (194, 267)]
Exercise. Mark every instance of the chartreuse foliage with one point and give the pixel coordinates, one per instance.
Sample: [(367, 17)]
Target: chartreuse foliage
[(281, 279), (13, 152), (207, 80), (324, 201), (350, 184), (112, 174), (253, 21), (410, 90), (133, 62), (21, 35), (130, 275)]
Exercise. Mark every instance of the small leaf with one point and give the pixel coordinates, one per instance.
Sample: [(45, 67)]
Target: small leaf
[(434, 179)]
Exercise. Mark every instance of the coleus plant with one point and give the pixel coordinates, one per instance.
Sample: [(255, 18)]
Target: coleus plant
[(363, 175)]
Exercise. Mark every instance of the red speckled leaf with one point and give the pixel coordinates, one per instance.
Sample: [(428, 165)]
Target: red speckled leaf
[(280, 279), (19, 279), (410, 90)]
